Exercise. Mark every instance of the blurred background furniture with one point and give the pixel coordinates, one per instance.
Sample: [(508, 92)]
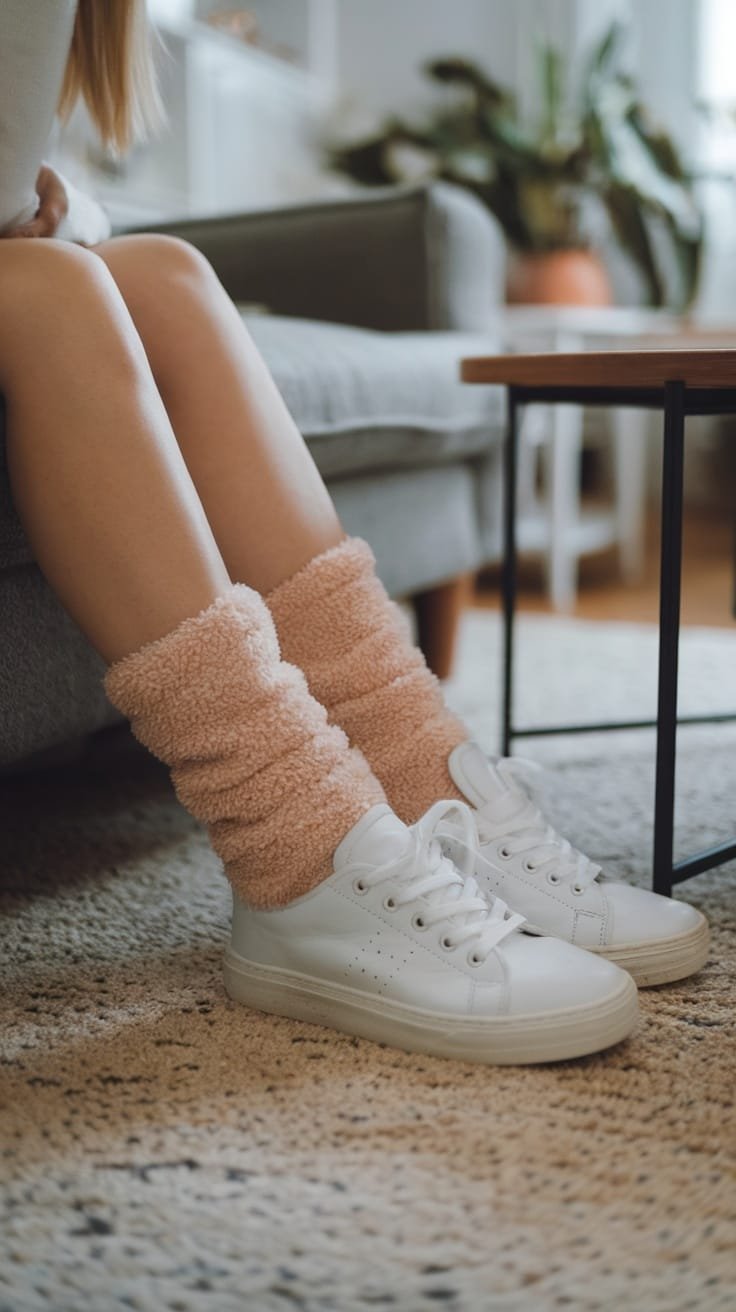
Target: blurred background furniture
[(371, 301), (556, 523), (676, 383)]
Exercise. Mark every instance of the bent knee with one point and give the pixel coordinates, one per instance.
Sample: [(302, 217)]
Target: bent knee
[(45, 285), (174, 253), (45, 267), (154, 255)]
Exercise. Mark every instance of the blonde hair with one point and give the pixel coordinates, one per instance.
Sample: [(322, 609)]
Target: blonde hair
[(111, 65)]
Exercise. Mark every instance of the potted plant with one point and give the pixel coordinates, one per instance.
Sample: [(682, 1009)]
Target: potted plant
[(593, 152)]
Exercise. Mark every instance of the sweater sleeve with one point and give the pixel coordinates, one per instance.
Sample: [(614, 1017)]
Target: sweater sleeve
[(35, 38), (85, 220)]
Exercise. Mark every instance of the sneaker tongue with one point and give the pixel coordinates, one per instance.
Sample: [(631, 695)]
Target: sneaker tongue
[(377, 838), (380, 837), (474, 775)]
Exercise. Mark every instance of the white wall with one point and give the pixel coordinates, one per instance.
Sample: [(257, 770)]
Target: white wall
[(382, 43)]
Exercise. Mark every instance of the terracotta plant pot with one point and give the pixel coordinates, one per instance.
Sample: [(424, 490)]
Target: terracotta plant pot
[(558, 278)]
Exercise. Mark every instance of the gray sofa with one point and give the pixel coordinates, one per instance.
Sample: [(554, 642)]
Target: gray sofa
[(371, 302)]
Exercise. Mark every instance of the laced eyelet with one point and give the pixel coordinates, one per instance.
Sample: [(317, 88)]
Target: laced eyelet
[(578, 890), (417, 922), (552, 878), (389, 903), (504, 853), (474, 960), (359, 887), (446, 943), (530, 867)]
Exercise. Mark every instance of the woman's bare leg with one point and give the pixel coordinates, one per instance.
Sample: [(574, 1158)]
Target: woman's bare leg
[(97, 476), (264, 497)]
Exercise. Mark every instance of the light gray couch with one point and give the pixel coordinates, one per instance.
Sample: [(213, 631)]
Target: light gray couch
[(372, 301)]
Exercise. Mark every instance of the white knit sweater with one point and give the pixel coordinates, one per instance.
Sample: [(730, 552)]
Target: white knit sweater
[(35, 37)]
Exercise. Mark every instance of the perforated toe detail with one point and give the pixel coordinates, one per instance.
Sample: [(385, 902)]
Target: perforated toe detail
[(377, 962)]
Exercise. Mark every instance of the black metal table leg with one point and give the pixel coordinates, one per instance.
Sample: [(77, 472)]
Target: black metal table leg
[(677, 402), (669, 634), (508, 579)]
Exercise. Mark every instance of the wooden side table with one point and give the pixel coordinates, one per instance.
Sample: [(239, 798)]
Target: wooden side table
[(680, 383)]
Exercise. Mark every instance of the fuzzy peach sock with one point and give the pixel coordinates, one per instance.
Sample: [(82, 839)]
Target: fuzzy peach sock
[(251, 752), (336, 621)]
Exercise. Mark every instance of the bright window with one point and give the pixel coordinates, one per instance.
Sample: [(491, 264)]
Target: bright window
[(716, 81)]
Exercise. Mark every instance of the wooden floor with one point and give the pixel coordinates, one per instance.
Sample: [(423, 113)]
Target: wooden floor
[(707, 588)]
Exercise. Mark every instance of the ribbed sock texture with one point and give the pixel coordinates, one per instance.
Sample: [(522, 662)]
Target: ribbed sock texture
[(336, 621), (251, 753)]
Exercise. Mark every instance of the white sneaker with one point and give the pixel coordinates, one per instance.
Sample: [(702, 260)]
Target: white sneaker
[(400, 947), (559, 891)]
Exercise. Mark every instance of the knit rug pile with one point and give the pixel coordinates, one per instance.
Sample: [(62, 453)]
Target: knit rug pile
[(165, 1149)]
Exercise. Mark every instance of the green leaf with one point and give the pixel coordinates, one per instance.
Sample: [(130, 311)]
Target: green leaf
[(550, 62), (371, 162), (457, 71), (364, 161), (659, 144), (474, 163), (607, 51), (600, 68), (688, 254), (628, 161), (627, 221), (512, 141), (502, 198)]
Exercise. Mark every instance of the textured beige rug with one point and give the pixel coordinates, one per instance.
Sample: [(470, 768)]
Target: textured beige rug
[(164, 1149)]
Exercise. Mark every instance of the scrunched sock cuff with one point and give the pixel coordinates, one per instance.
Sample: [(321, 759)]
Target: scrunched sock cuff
[(336, 621), (251, 752)]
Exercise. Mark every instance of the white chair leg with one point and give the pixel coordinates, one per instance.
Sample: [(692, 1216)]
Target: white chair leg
[(526, 463), (631, 430), (562, 458)]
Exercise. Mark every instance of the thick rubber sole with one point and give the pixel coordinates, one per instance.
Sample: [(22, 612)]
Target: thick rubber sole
[(664, 960), (498, 1041)]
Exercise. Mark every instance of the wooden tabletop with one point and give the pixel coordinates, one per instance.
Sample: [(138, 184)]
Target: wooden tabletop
[(704, 367)]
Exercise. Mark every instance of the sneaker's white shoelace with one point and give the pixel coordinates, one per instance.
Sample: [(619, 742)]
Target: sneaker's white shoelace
[(518, 827), (450, 894)]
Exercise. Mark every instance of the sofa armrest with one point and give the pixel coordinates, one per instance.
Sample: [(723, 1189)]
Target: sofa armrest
[(397, 258)]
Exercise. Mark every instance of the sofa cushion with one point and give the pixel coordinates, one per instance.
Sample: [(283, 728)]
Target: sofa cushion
[(369, 400)]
